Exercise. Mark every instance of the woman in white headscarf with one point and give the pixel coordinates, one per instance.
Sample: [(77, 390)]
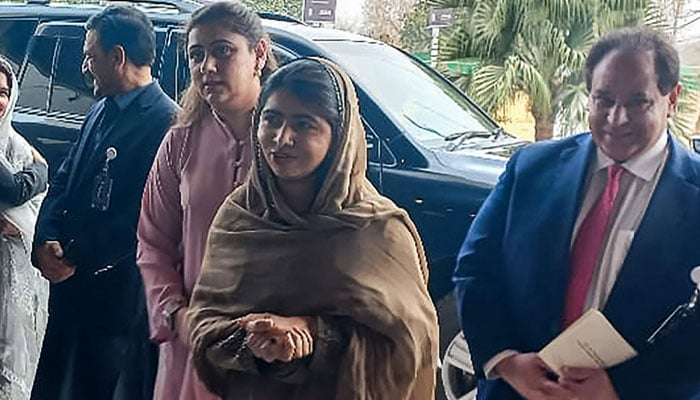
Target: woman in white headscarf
[(23, 292)]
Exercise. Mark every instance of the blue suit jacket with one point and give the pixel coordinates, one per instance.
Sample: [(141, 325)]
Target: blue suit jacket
[(513, 268)]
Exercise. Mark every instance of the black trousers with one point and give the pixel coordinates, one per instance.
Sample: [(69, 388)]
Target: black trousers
[(96, 345)]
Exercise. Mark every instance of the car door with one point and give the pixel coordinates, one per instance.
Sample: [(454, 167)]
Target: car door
[(15, 33), (53, 95)]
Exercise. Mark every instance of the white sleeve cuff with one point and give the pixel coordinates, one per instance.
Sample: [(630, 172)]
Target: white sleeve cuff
[(491, 364)]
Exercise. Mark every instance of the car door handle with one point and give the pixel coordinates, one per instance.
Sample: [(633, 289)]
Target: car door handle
[(49, 141)]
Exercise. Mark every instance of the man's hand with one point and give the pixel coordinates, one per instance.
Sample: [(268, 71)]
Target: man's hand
[(8, 228), (51, 263), (530, 377), (588, 383), (275, 338)]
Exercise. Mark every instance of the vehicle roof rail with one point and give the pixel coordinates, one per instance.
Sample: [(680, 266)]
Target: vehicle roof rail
[(186, 6), (278, 17)]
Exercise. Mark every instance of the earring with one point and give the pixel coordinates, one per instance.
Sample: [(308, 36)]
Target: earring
[(258, 68)]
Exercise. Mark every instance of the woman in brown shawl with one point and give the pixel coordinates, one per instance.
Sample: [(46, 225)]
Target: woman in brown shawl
[(313, 285)]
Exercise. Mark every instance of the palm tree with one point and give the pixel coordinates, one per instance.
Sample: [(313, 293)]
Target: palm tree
[(537, 47)]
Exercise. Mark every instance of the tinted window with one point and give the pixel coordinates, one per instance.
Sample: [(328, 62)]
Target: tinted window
[(377, 151), (175, 75), (71, 94), (35, 79), (14, 37), (160, 43), (428, 108)]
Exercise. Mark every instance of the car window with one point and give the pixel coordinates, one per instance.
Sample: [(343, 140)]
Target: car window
[(54, 67), (14, 37), (34, 81), (377, 151), (71, 93), (175, 73), (429, 109), (161, 36)]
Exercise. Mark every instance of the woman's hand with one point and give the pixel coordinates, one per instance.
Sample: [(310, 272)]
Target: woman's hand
[(275, 338)]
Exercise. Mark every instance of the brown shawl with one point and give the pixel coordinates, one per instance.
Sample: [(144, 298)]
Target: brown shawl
[(355, 255)]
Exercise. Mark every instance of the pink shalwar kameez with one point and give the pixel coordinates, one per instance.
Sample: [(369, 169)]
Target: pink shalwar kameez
[(196, 167)]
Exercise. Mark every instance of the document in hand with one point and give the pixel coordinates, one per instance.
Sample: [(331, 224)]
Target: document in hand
[(590, 342)]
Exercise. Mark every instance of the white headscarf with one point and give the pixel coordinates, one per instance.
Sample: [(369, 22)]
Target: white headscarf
[(16, 154), (23, 292)]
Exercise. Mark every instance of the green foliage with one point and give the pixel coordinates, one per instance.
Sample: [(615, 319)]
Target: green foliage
[(291, 8), (539, 47), (684, 123), (415, 35)]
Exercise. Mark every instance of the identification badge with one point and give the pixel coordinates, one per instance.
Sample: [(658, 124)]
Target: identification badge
[(103, 183)]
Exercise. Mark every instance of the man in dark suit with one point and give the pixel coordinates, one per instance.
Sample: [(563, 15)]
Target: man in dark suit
[(96, 345), (608, 220)]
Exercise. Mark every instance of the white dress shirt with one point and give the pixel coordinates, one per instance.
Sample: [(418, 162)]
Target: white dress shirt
[(637, 184)]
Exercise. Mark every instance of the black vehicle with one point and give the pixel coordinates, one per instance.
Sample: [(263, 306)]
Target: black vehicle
[(430, 148)]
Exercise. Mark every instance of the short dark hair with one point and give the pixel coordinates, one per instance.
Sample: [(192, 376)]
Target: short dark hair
[(128, 27), (639, 39)]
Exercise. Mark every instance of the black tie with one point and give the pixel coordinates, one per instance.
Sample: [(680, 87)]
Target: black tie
[(107, 117)]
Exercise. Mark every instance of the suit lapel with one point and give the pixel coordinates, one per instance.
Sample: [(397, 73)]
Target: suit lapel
[(114, 135), (655, 254), (85, 138), (566, 199), (125, 126)]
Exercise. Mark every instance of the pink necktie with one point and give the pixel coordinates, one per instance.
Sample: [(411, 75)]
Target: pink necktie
[(588, 244)]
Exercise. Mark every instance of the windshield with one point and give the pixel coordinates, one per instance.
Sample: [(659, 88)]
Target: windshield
[(426, 107)]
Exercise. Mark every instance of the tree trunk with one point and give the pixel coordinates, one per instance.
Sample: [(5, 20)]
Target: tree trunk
[(544, 126)]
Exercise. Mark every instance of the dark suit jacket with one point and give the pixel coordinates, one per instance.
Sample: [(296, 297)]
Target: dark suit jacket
[(513, 268), (96, 344), (96, 238)]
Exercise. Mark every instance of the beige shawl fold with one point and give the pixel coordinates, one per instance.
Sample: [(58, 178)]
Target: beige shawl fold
[(355, 255)]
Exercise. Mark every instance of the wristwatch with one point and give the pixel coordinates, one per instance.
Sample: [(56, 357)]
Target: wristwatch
[(169, 312)]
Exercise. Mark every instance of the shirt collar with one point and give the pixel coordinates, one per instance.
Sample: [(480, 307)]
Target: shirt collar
[(643, 165), (123, 100)]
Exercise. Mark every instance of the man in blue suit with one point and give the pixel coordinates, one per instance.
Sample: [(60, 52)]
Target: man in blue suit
[(608, 220), (96, 344)]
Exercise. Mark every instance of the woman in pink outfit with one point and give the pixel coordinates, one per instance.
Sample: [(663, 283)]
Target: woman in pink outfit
[(202, 159)]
